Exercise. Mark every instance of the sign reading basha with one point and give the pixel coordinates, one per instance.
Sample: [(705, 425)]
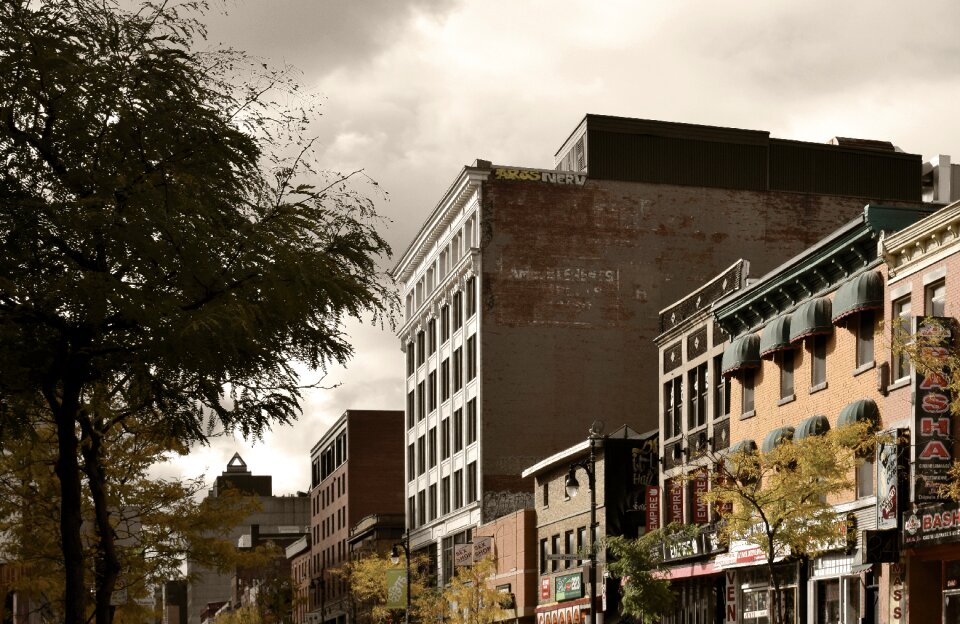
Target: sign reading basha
[(540, 175), (932, 418)]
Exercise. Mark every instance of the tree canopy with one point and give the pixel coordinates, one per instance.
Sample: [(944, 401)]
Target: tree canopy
[(162, 256)]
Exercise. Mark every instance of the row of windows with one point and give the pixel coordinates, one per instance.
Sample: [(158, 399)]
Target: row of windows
[(331, 492), (424, 452), (574, 542), (934, 304), (695, 393), (454, 494), (425, 342), (459, 244), (329, 459), (423, 399)]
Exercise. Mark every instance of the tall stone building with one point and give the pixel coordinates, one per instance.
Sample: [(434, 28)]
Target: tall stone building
[(532, 296)]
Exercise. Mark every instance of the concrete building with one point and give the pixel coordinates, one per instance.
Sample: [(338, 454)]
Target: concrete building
[(624, 467), (532, 296), (277, 515), (356, 471)]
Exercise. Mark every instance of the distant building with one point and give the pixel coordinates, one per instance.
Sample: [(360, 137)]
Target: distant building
[(356, 472), (532, 296), (287, 515)]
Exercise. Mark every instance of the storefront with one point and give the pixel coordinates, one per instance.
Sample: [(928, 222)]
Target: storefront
[(838, 591), (698, 584), (931, 535)]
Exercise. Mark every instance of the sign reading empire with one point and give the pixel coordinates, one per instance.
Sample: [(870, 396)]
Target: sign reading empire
[(540, 175)]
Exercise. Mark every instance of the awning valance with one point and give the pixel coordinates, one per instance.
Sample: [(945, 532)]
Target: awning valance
[(863, 292), (811, 319), (743, 352), (812, 426), (776, 437), (864, 410), (775, 336), (743, 446)]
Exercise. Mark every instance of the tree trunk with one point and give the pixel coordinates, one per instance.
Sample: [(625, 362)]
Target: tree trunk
[(107, 565), (775, 597), (68, 473)]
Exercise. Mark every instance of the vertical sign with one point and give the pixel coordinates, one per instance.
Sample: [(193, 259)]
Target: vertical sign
[(730, 602), (653, 507), (896, 594), (933, 423), (888, 481), (396, 589), (675, 492), (545, 588), (700, 484)]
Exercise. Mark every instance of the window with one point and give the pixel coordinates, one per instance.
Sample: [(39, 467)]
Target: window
[(471, 296), (411, 461), (421, 348), (458, 369), (457, 310), (457, 430), (935, 299), (432, 390), (581, 539), (472, 482), (433, 447), (901, 328), (471, 357), (411, 409), (410, 359), (445, 438), (569, 548), (697, 407), (445, 380), (444, 323), (421, 401), (555, 549), (865, 338), (786, 359), (471, 421), (865, 472), (747, 379), (721, 390), (422, 455), (543, 556), (411, 511), (432, 497), (545, 493), (457, 489), (432, 335), (445, 495), (672, 401), (421, 507), (818, 365)]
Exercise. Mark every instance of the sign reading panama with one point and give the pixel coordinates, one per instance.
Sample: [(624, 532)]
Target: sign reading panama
[(540, 175)]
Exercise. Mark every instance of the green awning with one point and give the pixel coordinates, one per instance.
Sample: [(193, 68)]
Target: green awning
[(812, 426), (811, 319), (744, 352), (743, 446), (864, 410), (776, 437), (775, 336), (863, 292)]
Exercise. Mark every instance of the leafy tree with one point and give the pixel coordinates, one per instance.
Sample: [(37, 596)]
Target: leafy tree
[(469, 597), (366, 580), (638, 563), (779, 501), (161, 260)]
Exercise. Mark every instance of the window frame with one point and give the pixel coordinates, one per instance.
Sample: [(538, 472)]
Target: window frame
[(748, 398), (932, 301), (786, 360), (818, 361), (901, 313), (865, 330)]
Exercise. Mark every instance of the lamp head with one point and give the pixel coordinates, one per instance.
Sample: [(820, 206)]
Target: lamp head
[(395, 555), (571, 485)]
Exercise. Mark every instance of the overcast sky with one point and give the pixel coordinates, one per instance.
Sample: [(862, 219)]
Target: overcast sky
[(412, 91)]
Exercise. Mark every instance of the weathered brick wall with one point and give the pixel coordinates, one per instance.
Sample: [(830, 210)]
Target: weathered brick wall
[(573, 279)]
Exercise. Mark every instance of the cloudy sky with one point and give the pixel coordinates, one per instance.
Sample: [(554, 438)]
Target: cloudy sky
[(414, 90)]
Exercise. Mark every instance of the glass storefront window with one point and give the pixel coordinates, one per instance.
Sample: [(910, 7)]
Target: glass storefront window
[(838, 600), (756, 608)]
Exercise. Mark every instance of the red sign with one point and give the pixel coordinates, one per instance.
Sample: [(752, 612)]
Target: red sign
[(653, 507), (676, 501), (700, 485), (933, 422), (545, 588)]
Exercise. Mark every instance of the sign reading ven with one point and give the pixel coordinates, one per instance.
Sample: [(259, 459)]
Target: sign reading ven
[(933, 423)]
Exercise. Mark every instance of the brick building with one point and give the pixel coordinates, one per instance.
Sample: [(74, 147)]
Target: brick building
[(922, 263), (356, 471), (531, 296), (514, 541)]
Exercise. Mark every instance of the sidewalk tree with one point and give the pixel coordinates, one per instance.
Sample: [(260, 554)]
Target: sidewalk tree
[(161, 258), (779, 501), (470, 598), (638, 563)]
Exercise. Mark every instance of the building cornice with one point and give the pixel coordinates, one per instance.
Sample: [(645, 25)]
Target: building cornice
[(913, 245)]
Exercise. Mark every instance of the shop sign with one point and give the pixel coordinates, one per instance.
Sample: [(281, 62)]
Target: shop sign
[(540, 175), (568, 586), (545, 588), (932, 524), (653, 507), (700, 486), (675, 491), (896, 594), (744, 553), (482, 548), (682, 546), (891, 464), (933, 423), (463, 555), (563, 615), (731, 596)]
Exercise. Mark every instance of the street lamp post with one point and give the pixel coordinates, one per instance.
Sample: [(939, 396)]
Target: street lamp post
[(395, 558), (572, 487)]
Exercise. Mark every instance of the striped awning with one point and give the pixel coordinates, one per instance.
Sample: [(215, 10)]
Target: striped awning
[(812, 426), (811, 319), (743, 352), (777, 437), (864, 410), (863, 292), (775, 336)]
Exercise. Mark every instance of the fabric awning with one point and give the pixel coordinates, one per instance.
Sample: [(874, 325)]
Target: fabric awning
[(776, 437), (811, 319), (864, 410), (744, 352), (863, 292), (743, 446), (775, 336), (812, 426)]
